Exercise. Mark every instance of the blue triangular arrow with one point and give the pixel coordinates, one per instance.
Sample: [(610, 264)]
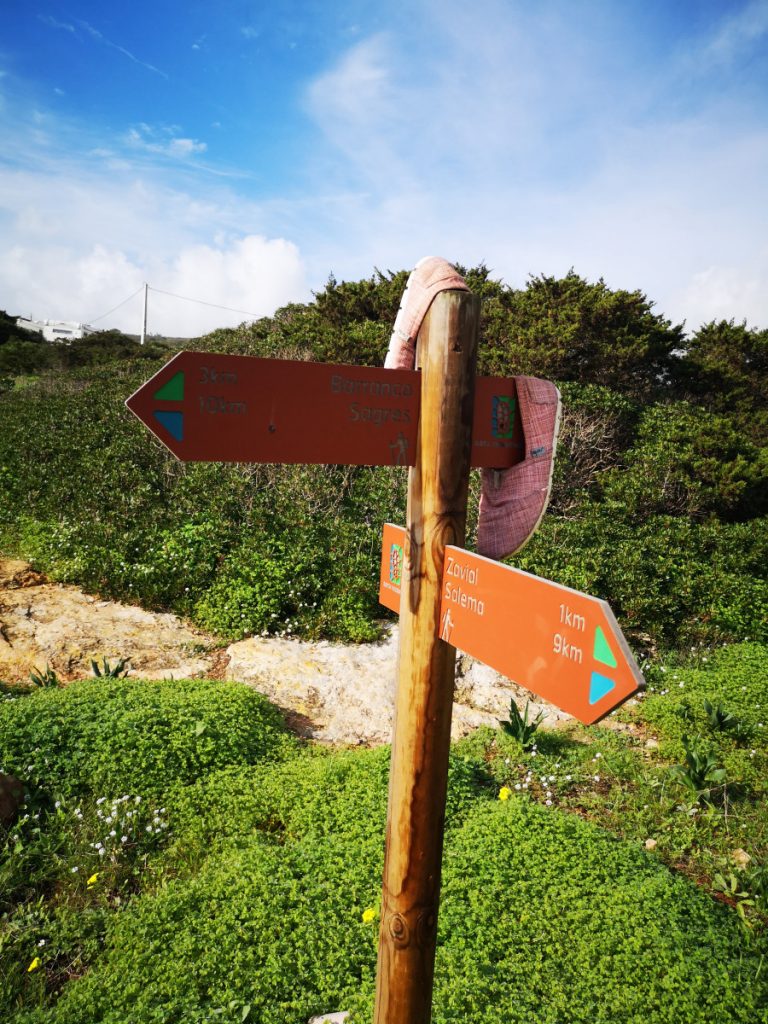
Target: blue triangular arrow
[(599, 685), (172, 421)]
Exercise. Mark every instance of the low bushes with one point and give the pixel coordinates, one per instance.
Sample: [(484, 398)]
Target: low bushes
[(544, 917), (116, 736), (246, 884), (547, 918)]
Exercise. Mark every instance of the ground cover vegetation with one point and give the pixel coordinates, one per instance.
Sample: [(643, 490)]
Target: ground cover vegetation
[(181, 858), (237, 879), (659, 505)]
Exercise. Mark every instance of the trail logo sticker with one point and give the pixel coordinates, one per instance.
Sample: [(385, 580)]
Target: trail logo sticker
[(395, 564), (503, 417)]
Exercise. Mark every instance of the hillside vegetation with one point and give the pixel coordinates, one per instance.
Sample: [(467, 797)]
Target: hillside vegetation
[(659, 504), (182, 858)]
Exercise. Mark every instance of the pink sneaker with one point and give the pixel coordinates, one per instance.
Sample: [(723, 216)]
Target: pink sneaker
[(513, 501), (430, 276)]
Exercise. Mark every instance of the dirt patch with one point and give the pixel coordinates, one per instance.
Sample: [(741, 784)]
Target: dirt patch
[(331, 692), (44, 623)]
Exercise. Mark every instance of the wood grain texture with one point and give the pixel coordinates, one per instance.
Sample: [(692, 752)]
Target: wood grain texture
[(437, 506)]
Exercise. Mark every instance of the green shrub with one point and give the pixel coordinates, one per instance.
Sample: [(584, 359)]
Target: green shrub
[(115, 736), (667, 578), (543, 917), (281, 863), (264, 587), (310, 796), (264, 926), (735, 677), (687, 461), (547, 918)]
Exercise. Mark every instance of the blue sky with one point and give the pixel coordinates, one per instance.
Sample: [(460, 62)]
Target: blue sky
[(239, 153)]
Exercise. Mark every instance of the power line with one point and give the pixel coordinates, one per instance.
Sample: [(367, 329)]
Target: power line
[(95, 319), (200, 302)]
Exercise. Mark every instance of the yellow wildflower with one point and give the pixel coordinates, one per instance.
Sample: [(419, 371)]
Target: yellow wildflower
[(505, 793), (368, 915), (34, 965), (93, 879)]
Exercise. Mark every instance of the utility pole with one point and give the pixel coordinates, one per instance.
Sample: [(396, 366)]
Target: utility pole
[(144, 321)]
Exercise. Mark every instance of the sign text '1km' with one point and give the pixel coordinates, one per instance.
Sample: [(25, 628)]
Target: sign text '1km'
[(222, 408), (558, 643)]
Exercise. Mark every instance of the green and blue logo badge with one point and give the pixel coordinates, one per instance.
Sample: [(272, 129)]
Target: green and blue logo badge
[(395, 564), (170, 419), (503, 417), (601, 684)]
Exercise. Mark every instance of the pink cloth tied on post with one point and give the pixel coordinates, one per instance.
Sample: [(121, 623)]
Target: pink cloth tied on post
[(513, 501)]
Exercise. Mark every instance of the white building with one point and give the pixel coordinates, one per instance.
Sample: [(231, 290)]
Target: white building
[(55, 330)]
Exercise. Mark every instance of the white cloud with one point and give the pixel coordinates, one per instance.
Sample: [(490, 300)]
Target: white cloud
[(737, 33), (78, 242), (723, 292), (164, 142), (517, 141), (357, 90), (358, 106), (185, 147), (52, 22), (99, 37), (250, 275)]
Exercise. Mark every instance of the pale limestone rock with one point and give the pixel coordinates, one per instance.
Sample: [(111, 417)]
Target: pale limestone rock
[(344, 694), (47, 624), (331, 692), (481, 688)]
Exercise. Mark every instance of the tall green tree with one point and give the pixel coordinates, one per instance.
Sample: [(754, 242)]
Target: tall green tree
[(725, 369), (569, 329)]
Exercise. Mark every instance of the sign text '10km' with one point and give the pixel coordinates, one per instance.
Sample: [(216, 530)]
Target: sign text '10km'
[(276, 410)]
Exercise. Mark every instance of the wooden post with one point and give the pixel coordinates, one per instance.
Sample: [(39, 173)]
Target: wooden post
[(437, 507)]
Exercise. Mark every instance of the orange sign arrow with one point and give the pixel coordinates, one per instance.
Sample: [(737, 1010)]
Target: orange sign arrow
[(560, 644), (220, 408)]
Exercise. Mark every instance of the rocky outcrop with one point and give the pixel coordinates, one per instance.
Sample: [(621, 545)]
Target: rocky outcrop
[(43, 623), (332, 692), (345, 694)]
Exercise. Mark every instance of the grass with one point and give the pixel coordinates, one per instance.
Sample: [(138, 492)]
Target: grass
[(239, 880)]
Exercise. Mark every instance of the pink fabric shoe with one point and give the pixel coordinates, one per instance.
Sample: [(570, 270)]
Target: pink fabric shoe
[(430, 276), (513, 501)]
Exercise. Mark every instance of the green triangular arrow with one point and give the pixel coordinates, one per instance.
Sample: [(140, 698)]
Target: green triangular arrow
[(173, 389), (602, 651)]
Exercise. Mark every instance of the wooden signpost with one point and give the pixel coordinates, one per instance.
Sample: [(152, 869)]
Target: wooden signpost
[(220, 408), (439, 420), (559, 643)]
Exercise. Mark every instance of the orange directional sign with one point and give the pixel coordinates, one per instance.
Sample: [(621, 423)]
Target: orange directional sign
[(558, 643), (220, 408)]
